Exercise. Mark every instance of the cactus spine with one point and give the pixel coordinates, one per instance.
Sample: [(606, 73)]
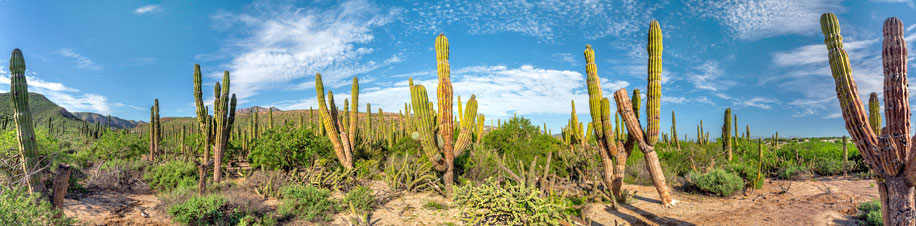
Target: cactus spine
[(223, 118), (335, 129), (874, 113), (889, 155), (726, 134), (25, 133), (647, 141)]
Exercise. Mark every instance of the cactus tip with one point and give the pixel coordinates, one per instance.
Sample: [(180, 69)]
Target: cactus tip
[(588, 46), (17, 62)]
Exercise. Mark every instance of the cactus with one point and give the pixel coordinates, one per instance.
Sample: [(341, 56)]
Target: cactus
[(889, 155), (874, 113), (605, 135), (28, 146), (270, 117), (439, 128), (726, 134), (480, 122), (223, 118), (354, 119), (154, 130), (333, 126), (203, 120), (646, 141), (674, 131)]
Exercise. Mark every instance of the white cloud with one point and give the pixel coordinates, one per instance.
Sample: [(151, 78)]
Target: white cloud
[(564, 57), (708, 76), (908, 2), (287, 43), (545, 20), (69, 98), (758, 19), (147, 9), (765, 103), (500, 91), (81, 61), (686, 100)]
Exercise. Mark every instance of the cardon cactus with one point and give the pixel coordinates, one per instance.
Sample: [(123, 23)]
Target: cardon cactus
[(727, 134), (337, 133), (889, 155), (874, 113), (203, 120), (223, 118), (605, 137), (435, 130), (646, 141), (154, 130), (25, 133), (480, 121)]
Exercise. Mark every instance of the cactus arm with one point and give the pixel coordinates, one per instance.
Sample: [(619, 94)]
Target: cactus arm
[(329, 119), (896, 92), (424, 123), (654, 94), (467, 126), (354, 115), (608, 134), (634, 130), (874, 113)]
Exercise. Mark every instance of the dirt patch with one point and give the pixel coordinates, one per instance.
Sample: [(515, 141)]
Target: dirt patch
[(109, 208)]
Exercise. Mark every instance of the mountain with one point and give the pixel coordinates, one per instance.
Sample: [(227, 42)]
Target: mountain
[(115, 121), (255, 109)]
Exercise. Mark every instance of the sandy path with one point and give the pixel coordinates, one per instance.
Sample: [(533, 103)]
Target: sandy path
[(108, 208)]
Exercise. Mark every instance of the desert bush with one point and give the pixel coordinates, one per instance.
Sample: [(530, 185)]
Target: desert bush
[(267, 183), (870, 213), (520, 142), (718, 182), (828, 166), (409, 172), (172, 175), (205, 210), (307, 202), (366, 168), (493, 203), (793, 172), (113, 146), (124, 176), (360, 199), (17, 207), (286, 148), (251, 220)]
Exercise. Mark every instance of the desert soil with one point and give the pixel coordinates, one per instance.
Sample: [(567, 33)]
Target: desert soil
[(821, 201)]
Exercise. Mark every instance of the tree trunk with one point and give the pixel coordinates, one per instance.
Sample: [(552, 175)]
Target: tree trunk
[(59, 186), (658, 178), (897, 201), (201, 178), (620, 169)]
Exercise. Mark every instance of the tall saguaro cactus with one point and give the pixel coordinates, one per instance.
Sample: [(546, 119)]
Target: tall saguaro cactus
[(25, 133), (203, 120), (336, 131), (646, 141), (154, 130), (726, 134), (436, 130), (889, 154), (605, 137), (223, 118)]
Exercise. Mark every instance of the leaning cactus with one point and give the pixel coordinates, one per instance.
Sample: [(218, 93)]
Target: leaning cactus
[(19, 93), (889, 155), (647, 141), (605, 137), (334, 127), (436, 130), (874, 113)]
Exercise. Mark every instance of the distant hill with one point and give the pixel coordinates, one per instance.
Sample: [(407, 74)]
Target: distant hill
[(256, 109), (116, 122), (42, 109)]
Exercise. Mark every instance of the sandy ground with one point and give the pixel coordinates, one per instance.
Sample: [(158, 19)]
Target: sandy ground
[(822, 201)]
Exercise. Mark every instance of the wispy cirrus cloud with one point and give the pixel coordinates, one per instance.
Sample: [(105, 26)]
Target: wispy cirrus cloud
[(82, 62), (709, 76), (147, 9), (758, 19), (282, 43)]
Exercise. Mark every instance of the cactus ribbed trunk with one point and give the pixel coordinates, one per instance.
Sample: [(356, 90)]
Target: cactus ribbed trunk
[(203, 120), (889, 154), (223, 117), (333, 126), (444, 95), (605, 136), (874, 113), (25, 133), (726, 134)]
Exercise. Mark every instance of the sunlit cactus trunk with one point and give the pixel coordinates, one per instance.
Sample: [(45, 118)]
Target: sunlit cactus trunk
[(599, 109), (334, 126), (889, 154), (25, 133), (223, 118), (646, 141)]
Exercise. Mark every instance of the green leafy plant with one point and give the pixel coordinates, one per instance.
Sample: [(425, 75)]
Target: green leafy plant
[(307, 202), (172, 175), (205, 210), (286, 148), (434, 205), (360, 199), (718, 182), (870, 213), (493, 203), (17, 207)]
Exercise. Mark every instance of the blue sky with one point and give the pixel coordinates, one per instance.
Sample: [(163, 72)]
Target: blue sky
[(763, 58)]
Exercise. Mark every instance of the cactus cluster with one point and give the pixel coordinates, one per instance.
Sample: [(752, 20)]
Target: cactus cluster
[(334, 127)]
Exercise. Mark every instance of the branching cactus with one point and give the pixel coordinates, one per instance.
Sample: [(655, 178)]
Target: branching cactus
[(223, 118), (435, 130), (28, 146), (336, 131), (605, 137), (646, 141), (889, 155)]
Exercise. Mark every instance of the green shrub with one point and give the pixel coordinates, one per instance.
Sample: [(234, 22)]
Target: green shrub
[(433, 205), (122, 146), (828, 166), (286, 148), (793, 172), (718, 182), (520, 141), (172, 175), (493, 203), (17, 207), (870, 213), (251, 220), (307, 202), (205, 210), (360, 199)]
